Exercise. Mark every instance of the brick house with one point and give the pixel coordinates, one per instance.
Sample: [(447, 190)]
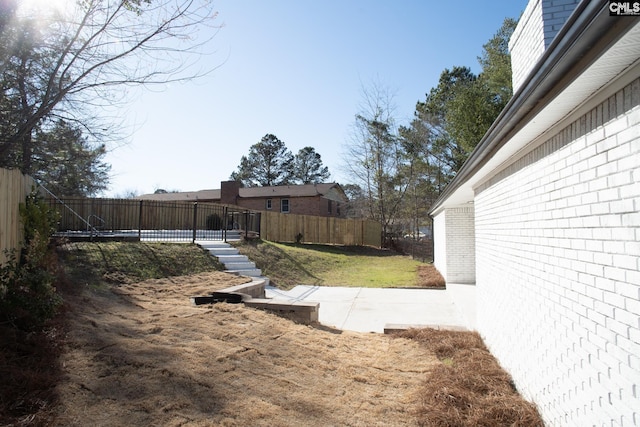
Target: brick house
[(309, 199), (544, 217)]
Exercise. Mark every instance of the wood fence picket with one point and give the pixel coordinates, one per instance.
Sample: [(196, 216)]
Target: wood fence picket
[(14, 188)]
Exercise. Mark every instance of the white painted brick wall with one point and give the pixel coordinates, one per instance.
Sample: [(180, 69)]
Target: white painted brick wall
[(554, 15), (539, 24), (527, 43), (558, 261), (461, 248), (440, 243), (454, 244)]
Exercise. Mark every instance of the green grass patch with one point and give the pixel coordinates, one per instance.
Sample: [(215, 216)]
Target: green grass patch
[(126, 262), (288, 265)]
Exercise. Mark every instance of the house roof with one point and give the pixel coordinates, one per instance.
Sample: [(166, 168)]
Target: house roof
[(183, 196), (590, 52), (308, 190)]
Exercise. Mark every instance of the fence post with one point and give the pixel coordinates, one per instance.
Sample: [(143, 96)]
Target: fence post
[(224, 224), (140, 221), (195, 221)]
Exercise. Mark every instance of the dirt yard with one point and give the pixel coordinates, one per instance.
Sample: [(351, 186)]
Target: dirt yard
[(141, 354)]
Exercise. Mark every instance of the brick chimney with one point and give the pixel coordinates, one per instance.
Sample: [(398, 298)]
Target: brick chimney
[(539, 24), (229, 192)]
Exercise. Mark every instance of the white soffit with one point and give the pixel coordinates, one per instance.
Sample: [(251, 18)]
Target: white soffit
[(623, 55)]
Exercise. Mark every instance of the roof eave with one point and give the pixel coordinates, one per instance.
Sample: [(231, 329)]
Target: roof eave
[(586, 35)]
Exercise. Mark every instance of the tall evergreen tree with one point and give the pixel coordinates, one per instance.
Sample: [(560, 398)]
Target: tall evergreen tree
[(308, 168), (450, 122), (443, 113), (269, 163), (67, 164), (496, 64), (423, 173), (460, 110)]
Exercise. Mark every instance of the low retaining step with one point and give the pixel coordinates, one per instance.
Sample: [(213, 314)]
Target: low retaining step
[(299, 311), (252, 295), (255, 288)]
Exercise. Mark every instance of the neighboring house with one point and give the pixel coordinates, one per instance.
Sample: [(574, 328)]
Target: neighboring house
[(310, 199), (544, 217)]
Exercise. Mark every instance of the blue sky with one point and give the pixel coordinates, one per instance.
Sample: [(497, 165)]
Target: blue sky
[(295, 69)]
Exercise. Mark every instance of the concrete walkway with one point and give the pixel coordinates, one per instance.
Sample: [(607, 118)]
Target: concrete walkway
[(371, 309)]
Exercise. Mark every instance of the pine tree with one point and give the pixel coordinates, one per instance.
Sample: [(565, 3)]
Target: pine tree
[(308, 168), (268, 163)]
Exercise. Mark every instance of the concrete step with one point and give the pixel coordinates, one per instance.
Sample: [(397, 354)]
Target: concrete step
[(255, 272), (223, 251), (240, 265), (232, 260), (225, 259), (214, 244)]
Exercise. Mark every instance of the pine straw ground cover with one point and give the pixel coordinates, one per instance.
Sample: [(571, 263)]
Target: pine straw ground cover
[(141, 354), (468, 387), (429, 277), (138, 353)]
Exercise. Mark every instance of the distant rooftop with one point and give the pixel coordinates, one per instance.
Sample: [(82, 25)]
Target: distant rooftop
[(306, 190)]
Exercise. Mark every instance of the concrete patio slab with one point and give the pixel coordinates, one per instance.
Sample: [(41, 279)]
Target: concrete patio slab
[(370, 309)]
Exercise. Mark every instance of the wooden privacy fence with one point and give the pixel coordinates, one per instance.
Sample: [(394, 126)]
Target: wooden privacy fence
[(278, 227), (14, 188)]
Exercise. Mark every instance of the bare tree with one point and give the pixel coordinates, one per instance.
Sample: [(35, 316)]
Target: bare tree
[(76, 63), (373, 156)]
